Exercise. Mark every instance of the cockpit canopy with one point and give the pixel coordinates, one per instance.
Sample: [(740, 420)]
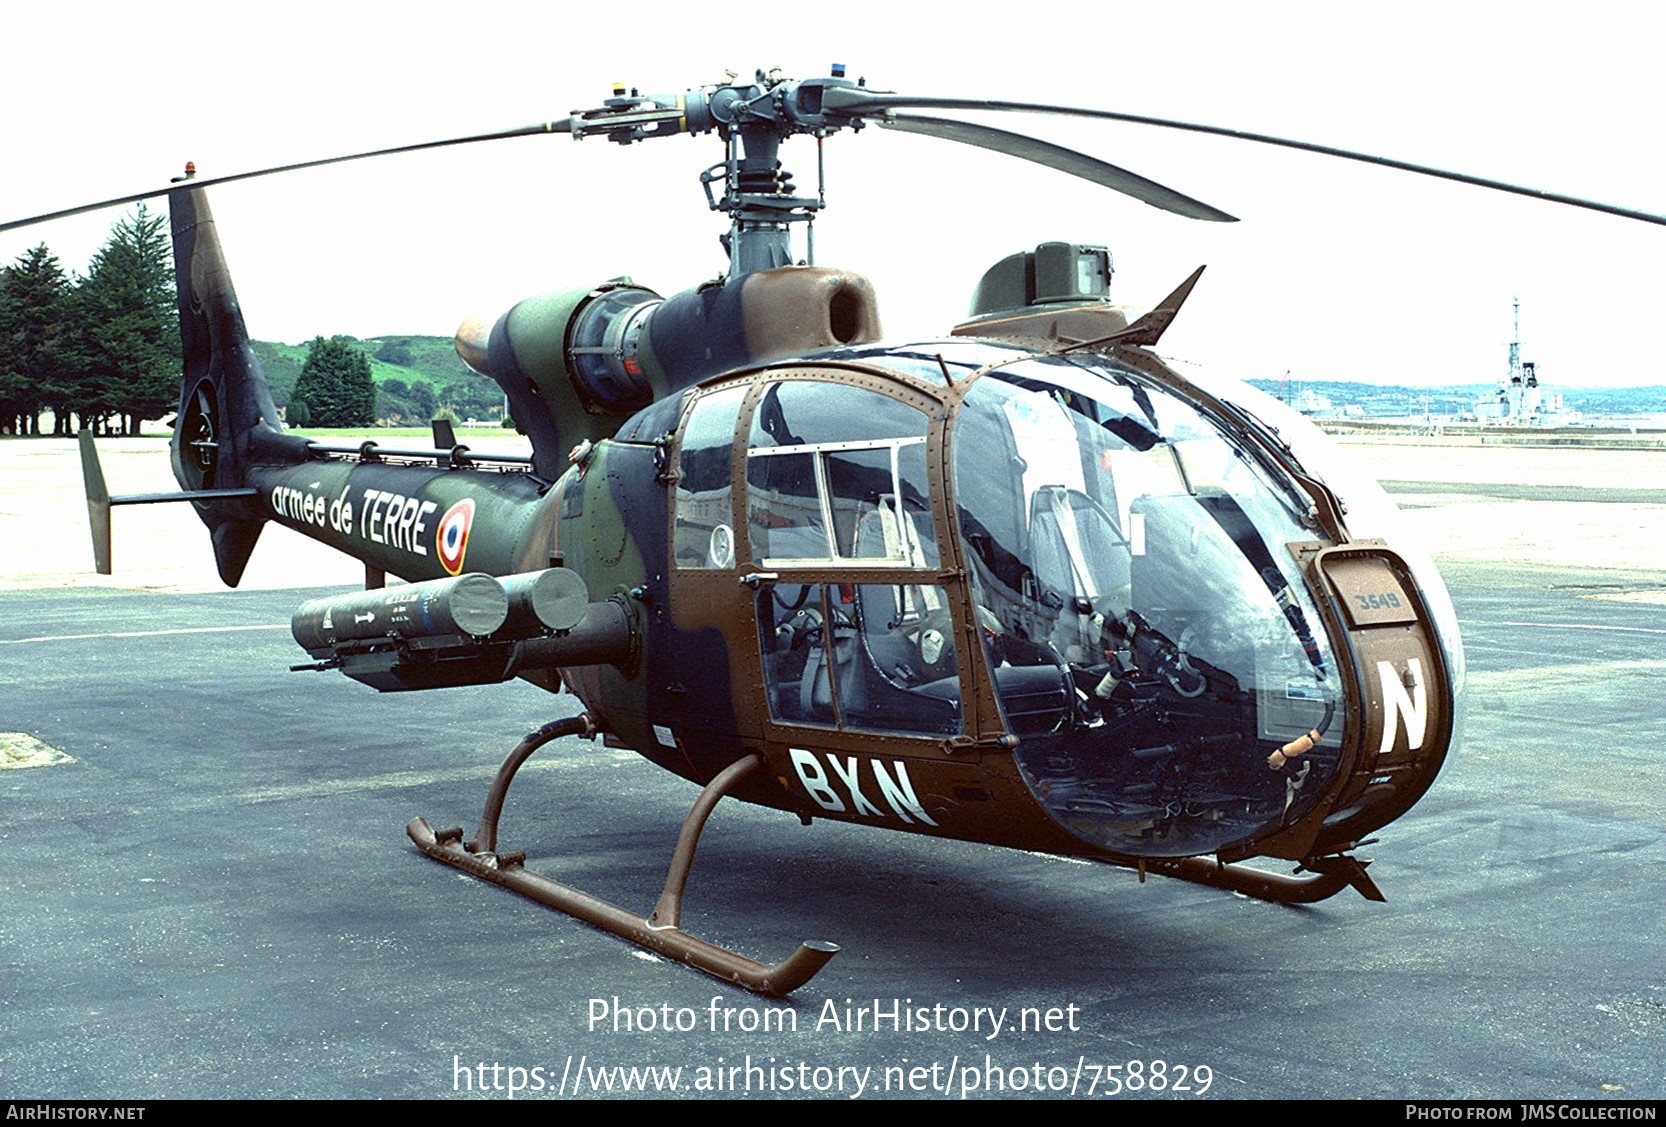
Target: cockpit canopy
[(1126, 571)]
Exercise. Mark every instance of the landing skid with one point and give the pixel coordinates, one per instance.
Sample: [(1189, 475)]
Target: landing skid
[(1329, 875), (659, 931)]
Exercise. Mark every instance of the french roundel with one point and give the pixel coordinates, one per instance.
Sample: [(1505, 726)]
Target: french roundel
[(451, 538)]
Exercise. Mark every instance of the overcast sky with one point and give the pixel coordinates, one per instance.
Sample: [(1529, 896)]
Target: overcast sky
[(1337, 271)]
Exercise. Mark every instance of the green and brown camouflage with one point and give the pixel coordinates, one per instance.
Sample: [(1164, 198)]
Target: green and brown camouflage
[(860, 572), (1023, 585)]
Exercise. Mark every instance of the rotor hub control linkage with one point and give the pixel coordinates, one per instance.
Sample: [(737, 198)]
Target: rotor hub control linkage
[(753, 119)]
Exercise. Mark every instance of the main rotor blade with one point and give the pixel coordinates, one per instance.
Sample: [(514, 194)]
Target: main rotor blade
[(1063, 159), (562, 126), (861, 103)]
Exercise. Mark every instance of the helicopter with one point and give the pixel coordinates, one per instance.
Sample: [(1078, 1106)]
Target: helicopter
[(1025, 585)]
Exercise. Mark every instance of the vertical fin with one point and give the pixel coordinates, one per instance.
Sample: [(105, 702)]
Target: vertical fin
[(227, 421)]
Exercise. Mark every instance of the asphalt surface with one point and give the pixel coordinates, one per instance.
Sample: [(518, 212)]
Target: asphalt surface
[(215, 896)]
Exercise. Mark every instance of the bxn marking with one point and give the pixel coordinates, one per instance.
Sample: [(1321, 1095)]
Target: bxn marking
[(897, 792)]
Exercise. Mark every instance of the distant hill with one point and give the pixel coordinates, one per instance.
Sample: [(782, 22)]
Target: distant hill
[(1391, 399), (409, 359), (282, 365), (405, 359)]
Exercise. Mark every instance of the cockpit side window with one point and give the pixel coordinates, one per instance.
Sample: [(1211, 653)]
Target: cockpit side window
[(704, 536), (836, 482), (836, 473), (877, 657)]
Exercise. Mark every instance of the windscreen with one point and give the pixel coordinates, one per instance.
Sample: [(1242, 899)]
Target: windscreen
[(1151, 640)]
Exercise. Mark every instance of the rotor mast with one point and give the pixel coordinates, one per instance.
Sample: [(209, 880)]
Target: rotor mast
[(757, 194), (749, 184)]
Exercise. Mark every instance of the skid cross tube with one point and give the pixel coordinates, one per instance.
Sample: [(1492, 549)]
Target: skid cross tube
[(657, 933), (485, 834)]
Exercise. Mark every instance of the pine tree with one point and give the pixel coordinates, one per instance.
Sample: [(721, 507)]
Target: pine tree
[(336, 386), (128, 325), (34, 339)]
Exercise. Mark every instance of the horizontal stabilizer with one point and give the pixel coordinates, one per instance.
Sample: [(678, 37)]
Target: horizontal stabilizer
[(100, 502)]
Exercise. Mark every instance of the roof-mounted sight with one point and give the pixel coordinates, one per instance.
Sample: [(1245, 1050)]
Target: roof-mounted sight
[(1051, 274)]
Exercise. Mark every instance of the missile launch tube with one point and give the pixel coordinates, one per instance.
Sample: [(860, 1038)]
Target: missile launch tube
[(473, 606), (552, 599)]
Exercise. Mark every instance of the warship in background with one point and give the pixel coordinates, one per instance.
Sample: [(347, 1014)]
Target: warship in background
[(1520, 400)]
